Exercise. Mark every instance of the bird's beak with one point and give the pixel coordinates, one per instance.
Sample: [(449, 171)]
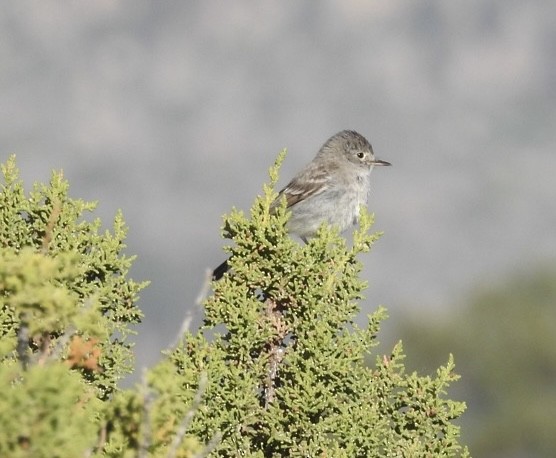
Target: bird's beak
[(380, 162)]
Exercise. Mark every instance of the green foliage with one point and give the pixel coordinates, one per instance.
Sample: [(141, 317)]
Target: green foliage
[(60, 278), (505, 338), (279, 367), (45, 413), (286, 363), (66, 306)]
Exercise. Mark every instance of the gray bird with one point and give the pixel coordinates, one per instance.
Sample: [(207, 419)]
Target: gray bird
[(331, 188)]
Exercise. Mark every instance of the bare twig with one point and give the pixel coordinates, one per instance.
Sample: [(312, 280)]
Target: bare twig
[(204, 289), (145, 440), (23, 342), (184, 425), (45, 341), (102, 438), (99, 447), (201, 296), (212, 444), (276, 357), (275, 350)]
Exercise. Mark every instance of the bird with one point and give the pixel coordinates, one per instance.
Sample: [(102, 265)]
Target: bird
[(329, 189)]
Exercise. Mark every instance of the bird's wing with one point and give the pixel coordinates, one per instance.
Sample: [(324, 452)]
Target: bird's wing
[(302, 187)]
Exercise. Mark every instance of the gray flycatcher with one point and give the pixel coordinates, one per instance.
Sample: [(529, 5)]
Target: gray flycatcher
[(331, 188)]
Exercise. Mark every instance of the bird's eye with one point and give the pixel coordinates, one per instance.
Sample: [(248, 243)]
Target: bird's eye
[(360, 155)]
